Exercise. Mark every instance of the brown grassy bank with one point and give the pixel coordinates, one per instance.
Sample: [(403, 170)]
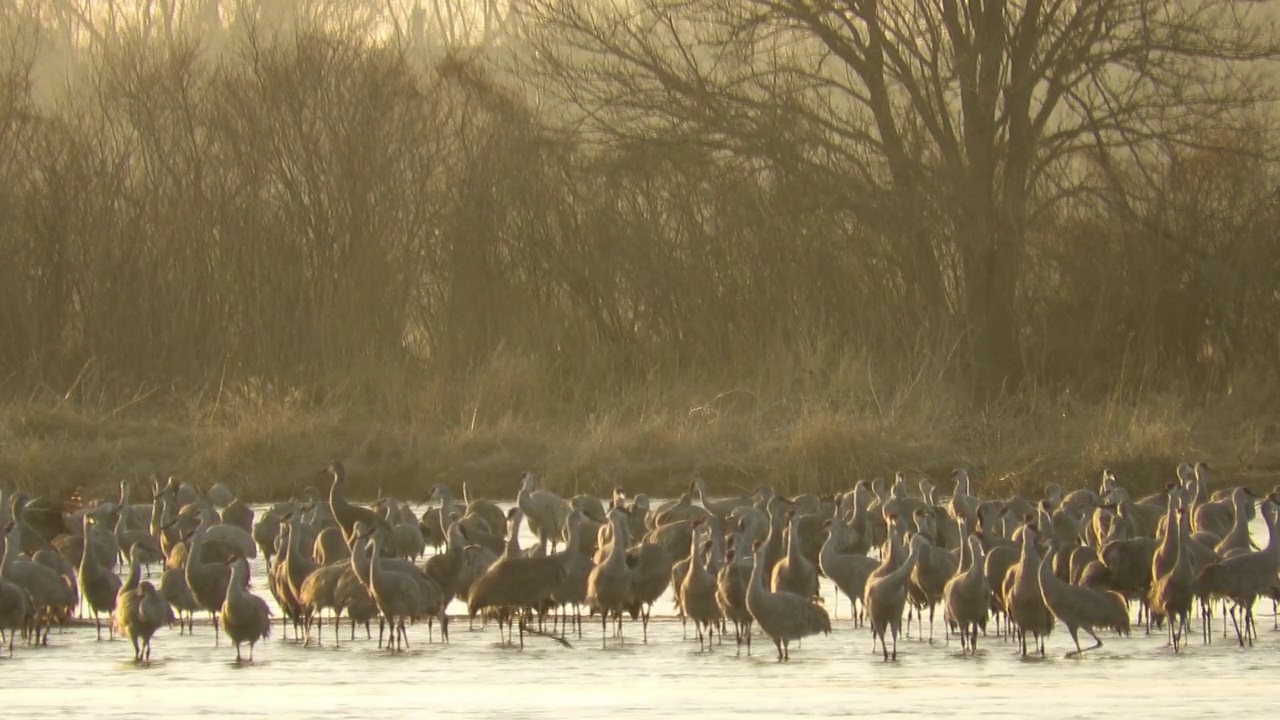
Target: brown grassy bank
[(816, 433)]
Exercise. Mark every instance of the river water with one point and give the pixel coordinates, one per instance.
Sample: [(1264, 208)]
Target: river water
[(472, 676)]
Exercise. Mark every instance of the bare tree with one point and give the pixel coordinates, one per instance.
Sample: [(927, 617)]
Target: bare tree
[(952, 127)]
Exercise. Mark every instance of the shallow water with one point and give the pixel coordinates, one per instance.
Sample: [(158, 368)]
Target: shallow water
[(667, 677)]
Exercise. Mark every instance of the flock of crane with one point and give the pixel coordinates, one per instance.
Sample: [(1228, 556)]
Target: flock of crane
[(732, 565)]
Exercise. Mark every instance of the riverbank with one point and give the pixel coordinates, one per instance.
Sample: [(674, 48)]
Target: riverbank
[(269, 443)]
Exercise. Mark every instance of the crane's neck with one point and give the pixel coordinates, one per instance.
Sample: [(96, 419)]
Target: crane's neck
[(793, 539), (1180, 556), (1272, 518), (513, 536), (87, 558), (574, 535), (1046, 569), (360, 557), (11, 545), (696, 558), (455, 541), (1029, 554), (290, 541), (135, 570), (901, 573), (977, 556), (621, 539), (235, 588), (375, 572), (338, 491), (835, 538), (756, 583), (717, 545)]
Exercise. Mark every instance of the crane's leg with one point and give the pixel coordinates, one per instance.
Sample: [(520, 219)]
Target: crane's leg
[(604, 628), (1075, 636), (1239, 636), (1097, 642)]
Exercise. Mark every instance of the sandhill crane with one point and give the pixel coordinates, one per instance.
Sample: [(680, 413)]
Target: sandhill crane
[(443, 568), (245, 616), (409, 539), (849, 571), (515, 583), (886, 595), (1173, 590), (278, 575), (731, 589), (494, 543), (1080, 608), (794, 573), (482, 510), (934, 567), (681, 509), (578, 566), (360, 563), (609, 584), (680, 569), (52, 595), (228, 539), (674, 537), (176, 592), (267, 529), (296, 568), (329, 546), (1243, 578), (965, 596), (220, 495), (435, 520), (591, 507), (124, 538), (238, 514), (650, 566), (783, 616), (15, 611), (723, 507), (698, 593), (1130, 562), (347, 514), (1237, 538), (545, 511), (318, 592), (98, 585), (207, 581), (397, 596), (1024, 603), (32, 539), (139, 614)]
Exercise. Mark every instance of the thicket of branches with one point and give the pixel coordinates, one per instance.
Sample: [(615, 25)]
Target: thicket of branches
[(317, 207)]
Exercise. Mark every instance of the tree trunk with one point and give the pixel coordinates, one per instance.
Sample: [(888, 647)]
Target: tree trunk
[(991, 271)]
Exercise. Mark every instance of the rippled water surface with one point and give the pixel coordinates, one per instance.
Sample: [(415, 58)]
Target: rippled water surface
[(668, 677)]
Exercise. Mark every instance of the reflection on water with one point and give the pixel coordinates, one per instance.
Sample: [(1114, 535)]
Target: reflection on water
[(473, 677)]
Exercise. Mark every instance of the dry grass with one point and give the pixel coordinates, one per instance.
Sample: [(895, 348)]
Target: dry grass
[(819, 434)]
